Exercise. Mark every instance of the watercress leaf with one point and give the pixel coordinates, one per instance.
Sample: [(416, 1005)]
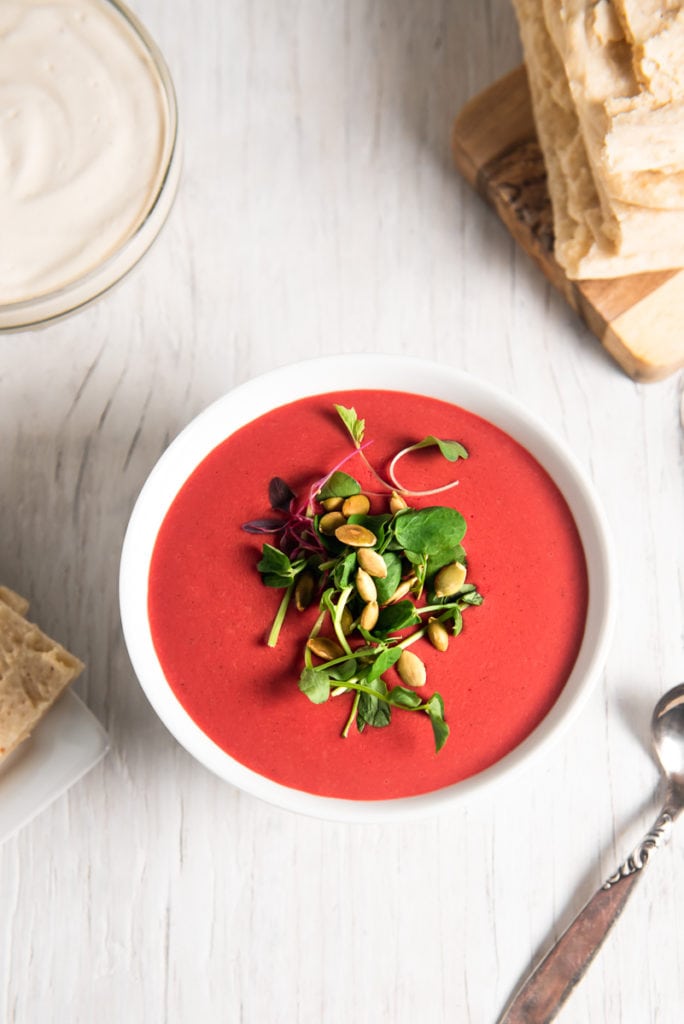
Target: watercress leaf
[(457, 620), (402, 697), (381, 715), (280, 494), (354, 425), (276, 568), (344, 671), (468, 595), (430, 530), (440, 731), (451, 450), (441, 558), (344, 570), (435, 711), (371, 709), (387, 657), (435, 705), (339, 485), (395, 617), (315, 684), (387, 585)]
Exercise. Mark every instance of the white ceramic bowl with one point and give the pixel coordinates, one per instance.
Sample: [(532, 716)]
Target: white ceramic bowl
[(318, 376), (46, 306)]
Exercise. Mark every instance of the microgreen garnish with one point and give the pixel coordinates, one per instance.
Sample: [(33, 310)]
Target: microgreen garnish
[(451, 450), (384, 579)]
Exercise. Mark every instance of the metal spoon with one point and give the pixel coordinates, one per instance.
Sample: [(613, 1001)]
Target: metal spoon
[(546, 989)]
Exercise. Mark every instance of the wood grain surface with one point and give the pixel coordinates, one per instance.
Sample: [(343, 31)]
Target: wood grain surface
[(637, 318), (320, 212)]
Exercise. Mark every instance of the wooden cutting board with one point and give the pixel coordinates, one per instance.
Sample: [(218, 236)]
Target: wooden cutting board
[(639, 319)]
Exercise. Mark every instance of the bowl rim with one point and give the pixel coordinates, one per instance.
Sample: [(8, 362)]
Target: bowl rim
[(47, 307), (320, 375)]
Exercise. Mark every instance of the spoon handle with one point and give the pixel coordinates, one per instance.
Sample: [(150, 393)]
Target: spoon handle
[(546, 989)]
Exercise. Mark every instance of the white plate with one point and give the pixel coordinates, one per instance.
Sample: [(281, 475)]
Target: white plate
[(319, 376), (66, 743)]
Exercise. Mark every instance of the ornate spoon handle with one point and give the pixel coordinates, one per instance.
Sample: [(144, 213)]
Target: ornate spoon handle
[(546, 989)]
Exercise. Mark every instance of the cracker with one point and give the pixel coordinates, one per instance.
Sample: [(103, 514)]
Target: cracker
[(34, 670)]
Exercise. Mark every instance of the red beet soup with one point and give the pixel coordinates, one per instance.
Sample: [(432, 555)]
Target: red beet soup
[(210, 613)]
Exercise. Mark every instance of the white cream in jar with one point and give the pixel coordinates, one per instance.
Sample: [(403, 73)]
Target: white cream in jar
[(85, 142)]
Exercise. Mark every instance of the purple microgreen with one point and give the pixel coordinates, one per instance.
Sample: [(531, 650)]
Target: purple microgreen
[(280, 496), (264, 526)]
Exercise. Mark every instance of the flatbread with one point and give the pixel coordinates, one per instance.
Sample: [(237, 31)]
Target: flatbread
[(635, 141), (34, 670), (596, 236), (15, 601), (655, 32)]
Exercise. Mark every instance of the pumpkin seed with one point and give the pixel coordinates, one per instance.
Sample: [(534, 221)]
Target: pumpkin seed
[(347, 621), (397, 503), (402, 590), (328, 523), (356, 505), (372, 562), (450, 579), (369, 615), (411, 669), (332, 504), (304, 591), (365, 585), (355, 536), (438, 634), (324, 647)]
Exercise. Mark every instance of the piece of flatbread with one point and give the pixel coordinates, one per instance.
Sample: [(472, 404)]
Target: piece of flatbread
[(635, 141), (576, 205), (34, 670), (595, 235), (16, 602), (655, 32)]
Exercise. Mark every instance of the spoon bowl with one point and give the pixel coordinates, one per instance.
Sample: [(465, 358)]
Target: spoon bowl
[(667, 731)]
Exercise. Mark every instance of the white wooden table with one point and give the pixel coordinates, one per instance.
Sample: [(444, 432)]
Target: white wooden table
[(319, 213)]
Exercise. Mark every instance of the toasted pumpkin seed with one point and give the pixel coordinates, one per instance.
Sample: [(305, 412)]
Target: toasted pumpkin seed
[(332, 504), (304, 591), (324, 647), (347, 621), (369, 615), (355, 536), (450, 579), (356, 505), (372, 562), (365, 585), (397, 503), (438, 634), (402, 590), (328, 523), (411, 669)]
